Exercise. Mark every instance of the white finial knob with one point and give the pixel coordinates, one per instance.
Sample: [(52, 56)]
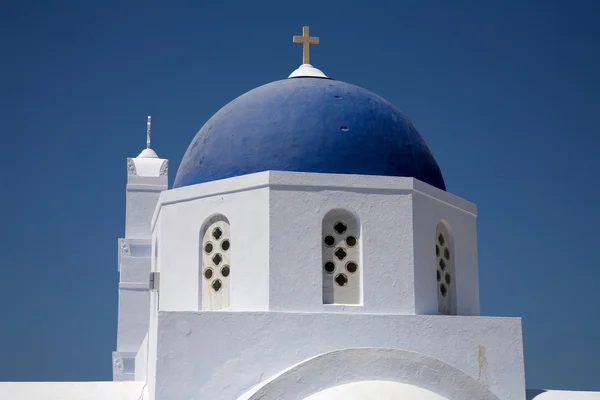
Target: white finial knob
[(307, 71), (148, 152)]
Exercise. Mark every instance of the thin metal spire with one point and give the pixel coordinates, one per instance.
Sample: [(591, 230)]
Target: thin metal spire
[(148, 128)]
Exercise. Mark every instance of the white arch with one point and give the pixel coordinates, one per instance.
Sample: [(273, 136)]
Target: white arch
[(340, 367)]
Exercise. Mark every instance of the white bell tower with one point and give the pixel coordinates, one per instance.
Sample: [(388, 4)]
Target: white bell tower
[(147, 176)]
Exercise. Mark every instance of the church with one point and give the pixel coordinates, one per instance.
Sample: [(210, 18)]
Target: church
[(308, 249)]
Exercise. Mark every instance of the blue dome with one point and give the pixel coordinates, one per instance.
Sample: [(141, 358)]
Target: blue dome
[(308, 125)]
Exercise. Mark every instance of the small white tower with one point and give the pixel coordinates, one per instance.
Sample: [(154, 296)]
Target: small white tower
[(147, 176)]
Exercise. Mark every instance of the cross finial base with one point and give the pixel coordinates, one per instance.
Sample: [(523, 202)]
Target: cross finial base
[(307, 71)]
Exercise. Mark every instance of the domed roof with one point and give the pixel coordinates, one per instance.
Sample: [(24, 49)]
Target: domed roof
[(308, 124)]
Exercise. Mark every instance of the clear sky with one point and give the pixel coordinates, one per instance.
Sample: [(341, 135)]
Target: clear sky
[(505, 92)]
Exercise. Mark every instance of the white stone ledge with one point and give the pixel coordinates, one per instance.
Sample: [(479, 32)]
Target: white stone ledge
[(137, 187), (134, 286), (416, 317), (301, 181)]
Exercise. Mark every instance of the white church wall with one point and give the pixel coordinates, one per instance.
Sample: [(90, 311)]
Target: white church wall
[(142, 193), (299, 202), (133, 302), (245, 348), (141, 361), (132, 324), (152, 345), (151, 337), (183, 212), (430, 206), (276, 227), (140, 203), (397, 273)]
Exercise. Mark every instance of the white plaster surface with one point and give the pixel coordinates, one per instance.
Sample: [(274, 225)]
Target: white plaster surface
[(133, 318), (134, 298), (71, 390), (427, 211), (141, 361), (152, 346), (296, 215), (276, 222), (385, 207), (153, 324), (141, 201), (179, 238), (146, 178), (245, 348), (380, 390)]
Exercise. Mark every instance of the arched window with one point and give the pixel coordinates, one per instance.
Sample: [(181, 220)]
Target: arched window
[(215, 265), (444, 255), (341, 261)]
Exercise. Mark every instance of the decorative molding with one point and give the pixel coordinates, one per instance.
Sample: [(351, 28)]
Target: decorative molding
[(131, 167), (117, 363), (125, 249), (131, 187), (164, 168)]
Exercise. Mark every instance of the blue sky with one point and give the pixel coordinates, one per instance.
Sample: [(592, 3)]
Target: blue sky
[(506, 93)]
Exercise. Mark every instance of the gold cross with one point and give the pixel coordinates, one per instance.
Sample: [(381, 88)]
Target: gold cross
[(306, 41)]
